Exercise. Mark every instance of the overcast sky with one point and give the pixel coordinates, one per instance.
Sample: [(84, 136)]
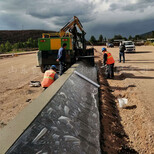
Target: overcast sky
[(106, 17)]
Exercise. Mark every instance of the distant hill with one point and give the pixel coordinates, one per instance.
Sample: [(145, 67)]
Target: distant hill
[(147, 35), (14, 36)]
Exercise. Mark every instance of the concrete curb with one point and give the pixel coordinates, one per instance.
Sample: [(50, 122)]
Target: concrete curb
[(10, 133), (16, 54)]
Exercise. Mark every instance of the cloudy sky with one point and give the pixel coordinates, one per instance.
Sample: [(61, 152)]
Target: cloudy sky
[(106, 17)]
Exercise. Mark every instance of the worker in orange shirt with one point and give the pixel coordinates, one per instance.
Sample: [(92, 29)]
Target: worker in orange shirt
[(49, 77), (109, 61)]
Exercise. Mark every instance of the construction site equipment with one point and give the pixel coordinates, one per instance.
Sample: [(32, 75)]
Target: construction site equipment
[(61, 120), (87, 79), (35, 84), (50, 43)]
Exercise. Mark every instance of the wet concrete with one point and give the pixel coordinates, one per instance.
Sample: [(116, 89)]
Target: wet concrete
[(69, 123)]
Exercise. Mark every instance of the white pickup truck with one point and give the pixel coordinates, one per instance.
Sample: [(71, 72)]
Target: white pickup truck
[(129, 45)]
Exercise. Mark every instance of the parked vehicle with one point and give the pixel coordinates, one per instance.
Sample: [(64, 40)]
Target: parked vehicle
[(129, 45), (111, 45)]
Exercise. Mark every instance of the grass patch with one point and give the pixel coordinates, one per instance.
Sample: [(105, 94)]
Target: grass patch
[(149, 43)]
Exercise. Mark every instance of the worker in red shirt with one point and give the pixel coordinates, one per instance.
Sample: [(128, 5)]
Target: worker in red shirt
[(109, 61), (49, 77)]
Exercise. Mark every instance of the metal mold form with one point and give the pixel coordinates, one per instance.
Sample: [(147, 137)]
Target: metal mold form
[(69, 123)]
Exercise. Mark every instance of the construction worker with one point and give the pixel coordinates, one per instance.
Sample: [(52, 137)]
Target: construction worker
[(62, 58), (49, 77), (109, 62), (122, 52)]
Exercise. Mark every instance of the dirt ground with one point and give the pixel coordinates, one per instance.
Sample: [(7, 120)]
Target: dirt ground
[(129, 130), (15, 92)]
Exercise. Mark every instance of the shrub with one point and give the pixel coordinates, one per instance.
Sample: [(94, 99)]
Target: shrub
[(16, 46), (30, 43), (8, 46), (2, 48), (147, 43)]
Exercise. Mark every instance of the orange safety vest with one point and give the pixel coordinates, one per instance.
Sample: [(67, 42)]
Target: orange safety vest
[(48, 78), (110, 59)]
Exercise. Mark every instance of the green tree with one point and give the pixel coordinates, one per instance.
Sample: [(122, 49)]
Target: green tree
[(125, 38), (8, 46), (20, 44), (152, 34), (130, 37), (24, 44), (117, 37), (16, 46), (35, 43), (137, 37), (100, 38), (93, 40), (2, 48), (111, 40), (105, 39), (30, 43)]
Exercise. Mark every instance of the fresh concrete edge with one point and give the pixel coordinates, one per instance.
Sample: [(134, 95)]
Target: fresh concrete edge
[(10, 133), (20, 53)]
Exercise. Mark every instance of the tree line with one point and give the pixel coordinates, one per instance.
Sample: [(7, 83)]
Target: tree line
[(8, 47), (102, 39)]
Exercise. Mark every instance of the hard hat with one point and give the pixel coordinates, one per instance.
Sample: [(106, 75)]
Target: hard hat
[(53, 67), (103, 49)]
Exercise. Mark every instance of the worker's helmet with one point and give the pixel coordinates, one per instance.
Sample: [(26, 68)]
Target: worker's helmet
[(103, 49), (53, 67)]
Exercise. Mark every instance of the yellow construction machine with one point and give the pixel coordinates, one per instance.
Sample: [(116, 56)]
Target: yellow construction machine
[(50, 43)]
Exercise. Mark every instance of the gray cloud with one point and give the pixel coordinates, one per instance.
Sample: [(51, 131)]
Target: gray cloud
[(97, 16), (125, 29), (49, 9), (140, 5), (61, 10)]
